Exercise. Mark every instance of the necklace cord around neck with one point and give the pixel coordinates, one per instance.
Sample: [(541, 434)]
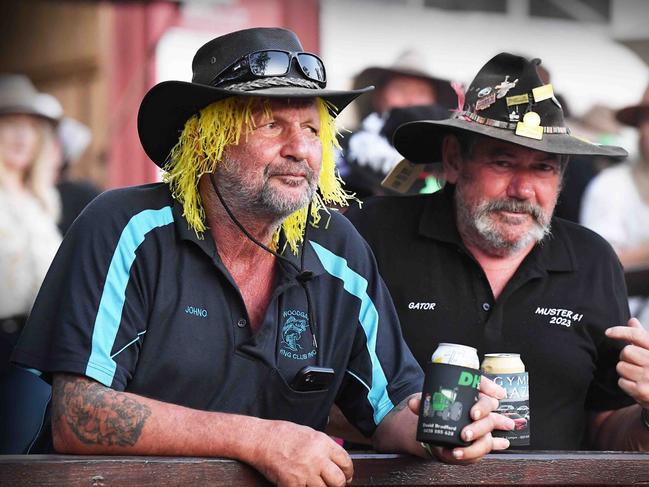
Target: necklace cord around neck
[(303, 276)]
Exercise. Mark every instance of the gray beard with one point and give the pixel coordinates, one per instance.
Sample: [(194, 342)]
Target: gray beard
[(267, 201), (476, 224)]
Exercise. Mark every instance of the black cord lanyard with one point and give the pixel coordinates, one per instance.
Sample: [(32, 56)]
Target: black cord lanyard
[(303, 276)]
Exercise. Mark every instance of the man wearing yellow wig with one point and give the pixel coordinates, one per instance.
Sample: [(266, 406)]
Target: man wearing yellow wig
[(204, 316)]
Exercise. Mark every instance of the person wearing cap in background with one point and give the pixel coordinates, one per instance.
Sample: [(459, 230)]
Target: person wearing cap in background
[(29, 203), (616, 202), (404, 92), (178, 317), (484, 263), (597, 124)]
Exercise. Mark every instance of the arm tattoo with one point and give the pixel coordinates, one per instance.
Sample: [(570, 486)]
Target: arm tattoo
[(96, 414), (403, 404)]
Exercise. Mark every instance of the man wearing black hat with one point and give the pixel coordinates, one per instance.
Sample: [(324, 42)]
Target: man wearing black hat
[(223, 313), (484, 263), (405, 91)]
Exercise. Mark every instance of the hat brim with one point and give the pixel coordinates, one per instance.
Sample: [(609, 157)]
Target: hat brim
[(421, 141), (168, 105), (29, 110), (633, 115)]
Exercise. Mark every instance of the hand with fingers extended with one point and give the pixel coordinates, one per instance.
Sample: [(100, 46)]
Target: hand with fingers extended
[(485, 420), (633, 366), (292, 455)]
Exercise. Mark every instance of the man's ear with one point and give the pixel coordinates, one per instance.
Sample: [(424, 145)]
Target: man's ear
[(451, 158)]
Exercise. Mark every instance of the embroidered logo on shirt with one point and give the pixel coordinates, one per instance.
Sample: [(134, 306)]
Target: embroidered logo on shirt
[(293, 344), (193, 310), (422, 306), (560, 316)]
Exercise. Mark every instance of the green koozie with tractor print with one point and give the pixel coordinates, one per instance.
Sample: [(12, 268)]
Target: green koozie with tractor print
[(448, 395)]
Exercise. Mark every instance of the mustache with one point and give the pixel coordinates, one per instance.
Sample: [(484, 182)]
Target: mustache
[(515, 206), (291, 167)]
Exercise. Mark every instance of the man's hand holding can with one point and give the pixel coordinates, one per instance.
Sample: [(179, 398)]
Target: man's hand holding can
[(478, 432)]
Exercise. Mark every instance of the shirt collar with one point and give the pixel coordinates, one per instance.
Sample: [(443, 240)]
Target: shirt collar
[(438, 218), (555, 253), (311, 261), (204, 240), (206, 243)]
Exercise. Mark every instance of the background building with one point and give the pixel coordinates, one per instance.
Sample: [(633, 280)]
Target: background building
[(100, 57)]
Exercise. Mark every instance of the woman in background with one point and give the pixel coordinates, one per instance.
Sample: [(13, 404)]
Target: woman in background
[(29, 202)]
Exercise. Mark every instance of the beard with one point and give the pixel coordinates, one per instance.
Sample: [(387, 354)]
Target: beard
[(266, 199), (478, 221)]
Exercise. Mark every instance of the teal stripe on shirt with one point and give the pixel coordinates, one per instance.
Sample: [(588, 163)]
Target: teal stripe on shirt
[(101, 366), (368, 316)]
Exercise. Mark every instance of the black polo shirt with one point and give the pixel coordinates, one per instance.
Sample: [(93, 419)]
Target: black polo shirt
[(135, 300), (553, 311)]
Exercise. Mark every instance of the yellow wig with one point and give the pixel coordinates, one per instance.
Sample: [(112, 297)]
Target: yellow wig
[(200, 149)]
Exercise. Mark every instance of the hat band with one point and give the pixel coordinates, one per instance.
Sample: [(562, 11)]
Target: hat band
[(261, 83), (506, 125)]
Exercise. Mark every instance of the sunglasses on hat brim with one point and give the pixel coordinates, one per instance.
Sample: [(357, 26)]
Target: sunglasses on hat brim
[(272, 62)]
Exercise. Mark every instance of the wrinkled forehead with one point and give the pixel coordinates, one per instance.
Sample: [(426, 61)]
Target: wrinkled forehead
[(283, 103), (263, 108), (487, 147), (16, 118), (500, 147)]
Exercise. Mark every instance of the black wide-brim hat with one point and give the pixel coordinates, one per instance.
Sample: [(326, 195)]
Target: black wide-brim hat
[(168, 105), (506, 101)]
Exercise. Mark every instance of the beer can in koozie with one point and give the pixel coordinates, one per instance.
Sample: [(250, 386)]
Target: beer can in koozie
[(455, 354), (508, 371), (449, 393)]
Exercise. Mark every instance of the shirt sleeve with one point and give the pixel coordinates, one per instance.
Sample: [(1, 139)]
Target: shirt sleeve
[(91, 312), (381, 371)]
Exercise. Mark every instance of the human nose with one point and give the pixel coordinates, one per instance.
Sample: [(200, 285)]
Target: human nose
[(520, 187), (296, 146)]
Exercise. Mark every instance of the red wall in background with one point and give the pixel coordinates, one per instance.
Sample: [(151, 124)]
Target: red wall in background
[(137, 28), (303, 18)]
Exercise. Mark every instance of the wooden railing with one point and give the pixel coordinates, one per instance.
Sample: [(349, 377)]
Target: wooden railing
[(534, 468)]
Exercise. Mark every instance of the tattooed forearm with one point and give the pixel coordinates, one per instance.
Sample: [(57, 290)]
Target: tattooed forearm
[(403, 404), (96, 414)]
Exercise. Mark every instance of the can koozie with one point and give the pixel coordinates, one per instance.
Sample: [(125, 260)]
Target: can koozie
[(516, 406), (448, 395)]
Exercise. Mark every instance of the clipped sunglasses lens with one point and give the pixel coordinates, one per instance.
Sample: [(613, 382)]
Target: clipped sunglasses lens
[(312, 67), (269, 63)]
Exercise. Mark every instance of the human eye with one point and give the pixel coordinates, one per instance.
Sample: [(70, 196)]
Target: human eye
[(500, 163), (547, 167), (268, 127)]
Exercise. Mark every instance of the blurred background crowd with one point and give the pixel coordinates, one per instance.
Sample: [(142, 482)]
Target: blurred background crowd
[(74, 72)]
